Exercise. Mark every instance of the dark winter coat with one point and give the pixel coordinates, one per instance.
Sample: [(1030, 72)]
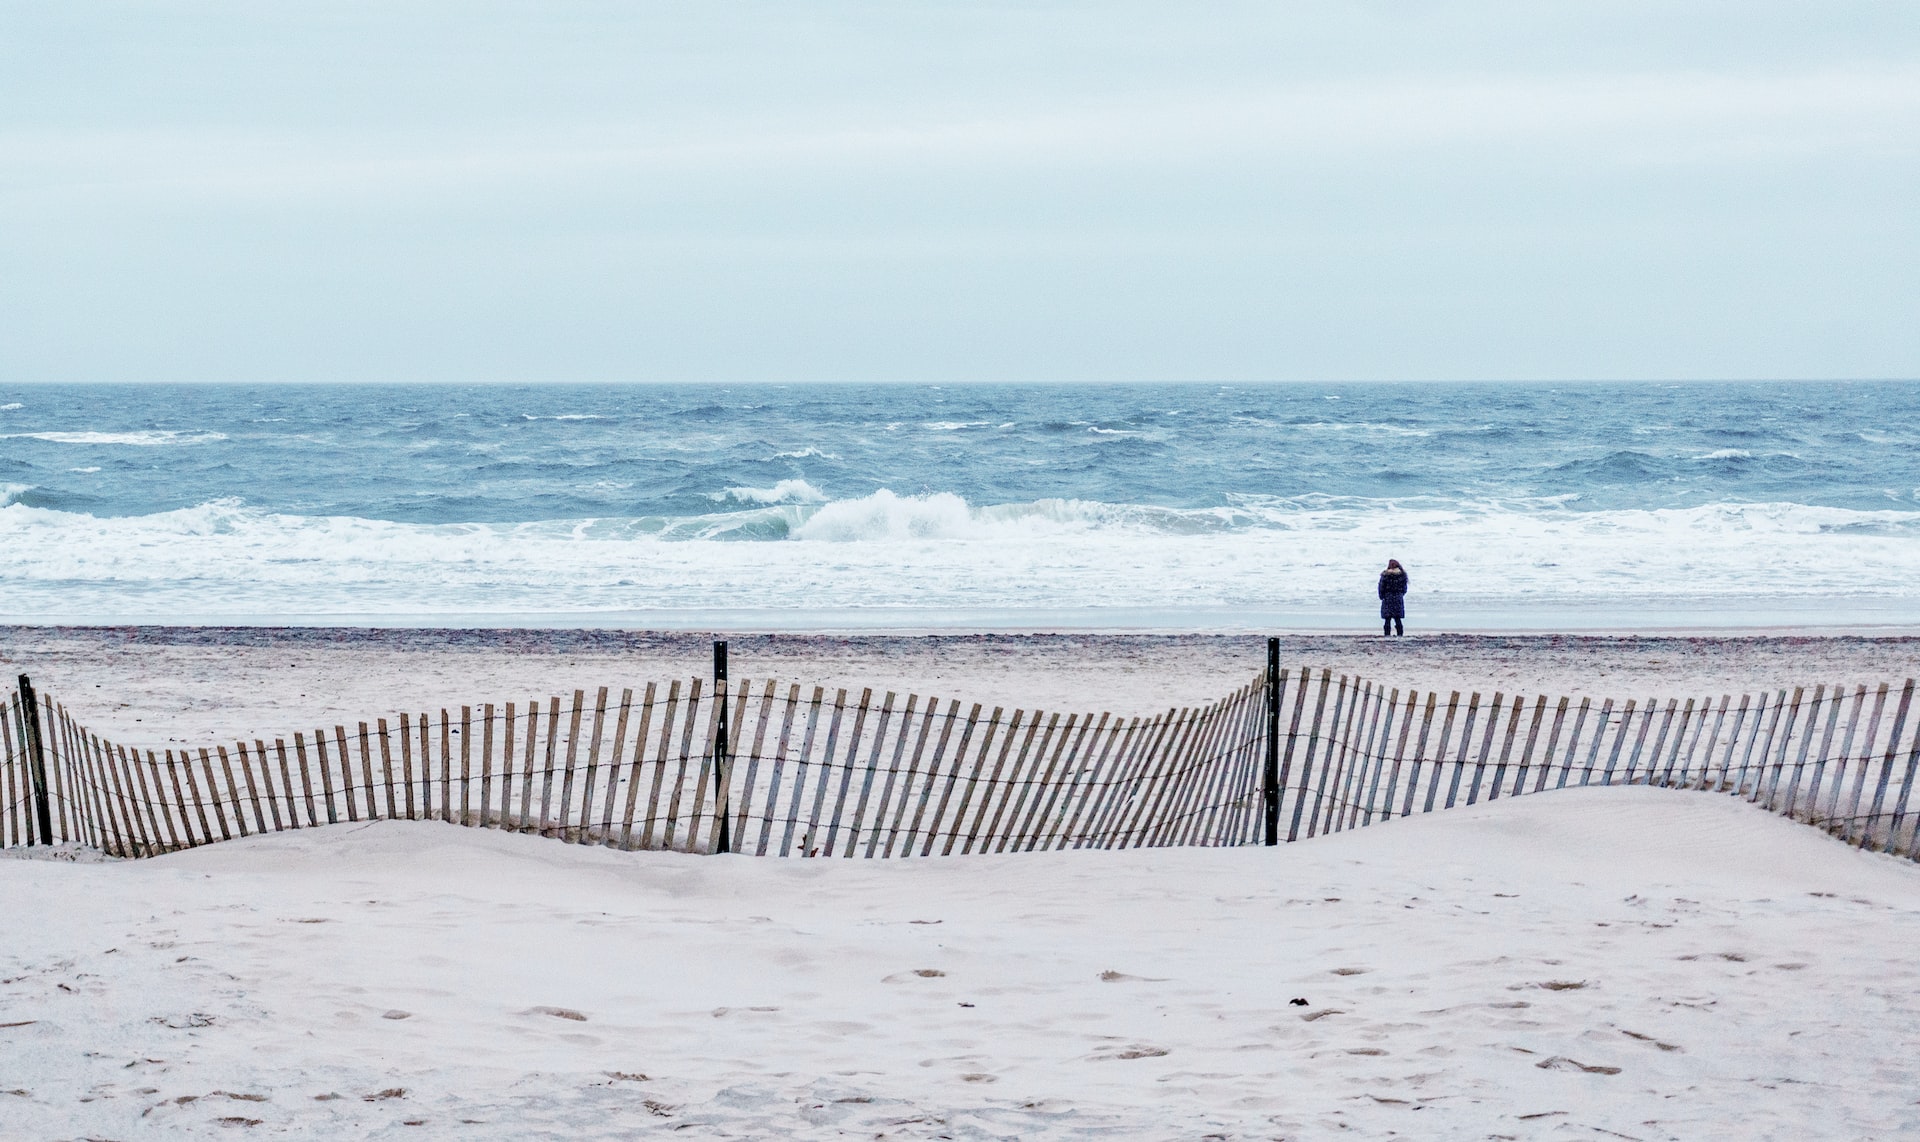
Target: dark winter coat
[(1393, 594)]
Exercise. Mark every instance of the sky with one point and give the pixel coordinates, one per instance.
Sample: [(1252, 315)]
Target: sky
[(948, 192)]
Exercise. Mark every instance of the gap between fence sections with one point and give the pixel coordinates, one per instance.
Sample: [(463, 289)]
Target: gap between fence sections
[(774, 768)]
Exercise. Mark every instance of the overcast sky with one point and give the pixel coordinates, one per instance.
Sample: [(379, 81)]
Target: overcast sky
[(926, 191)]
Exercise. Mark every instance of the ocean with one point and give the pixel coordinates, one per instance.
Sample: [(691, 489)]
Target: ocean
[(822, 507)]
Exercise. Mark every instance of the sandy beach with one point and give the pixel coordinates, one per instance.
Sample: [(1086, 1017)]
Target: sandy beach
[(160, 685), (1631, 963)]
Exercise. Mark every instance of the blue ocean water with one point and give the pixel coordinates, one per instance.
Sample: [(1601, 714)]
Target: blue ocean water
[(986, 505)]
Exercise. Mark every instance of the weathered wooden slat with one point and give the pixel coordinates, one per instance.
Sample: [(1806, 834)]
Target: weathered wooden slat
[(135, 842), (1667, 772), (1847, 809), (1603, 722), (1228, 792), (1886, 766), (1800, 759), (90, 794), (662, 758), (866, 774), (1115, 755), (172, 813), (937, 826), (902, 739), (200, 803), (147, 807), (92, 819), (563, 823), (1182, 777), (445, 810), (635, 768), (911, 735), (849, 768), (1412, 771), (810, 842), (9, 772), (1293, 736), (527, 768), (1077, 783), (1138, 822), (1394, 716), (550, 762), (253, 788), (1466, 744), (1525, 762), (1721, 784), (231, 788), (797, 801), (926, 784), (583, 834), (1774, 768), (1620, 736), (1002, 792), (990, 785), (1373, 752), (778, 767), (743, 839), (1438, 772), (610, 799), (1754, 741), (1306, 762), (181, 800), (1898, 840), (1047, 789), (306, 779), (1814, 783), (1205, 769), (1659, 741), (285, 791), (406, 762), (957, 823), (1148, 750), (1120, 788), (1572, 754), (1339, 745), (1353, 784), (690, 761)]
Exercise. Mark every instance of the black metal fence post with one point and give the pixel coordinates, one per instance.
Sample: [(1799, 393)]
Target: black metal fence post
[(36, 749), (724, 841), (1270, 791)]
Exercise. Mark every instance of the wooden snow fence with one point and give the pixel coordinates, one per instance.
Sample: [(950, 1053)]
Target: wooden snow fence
[(801, 771)]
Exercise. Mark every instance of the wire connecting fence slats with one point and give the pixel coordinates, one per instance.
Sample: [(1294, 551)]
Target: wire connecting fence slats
[(808, 774)]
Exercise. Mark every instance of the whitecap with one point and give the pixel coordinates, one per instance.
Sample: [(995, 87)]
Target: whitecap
[(806, 453), (784, 492), (9, 493), (953, 425), (10, 406), (147, 439), (566, 416), (85, 471), (1726, 454)]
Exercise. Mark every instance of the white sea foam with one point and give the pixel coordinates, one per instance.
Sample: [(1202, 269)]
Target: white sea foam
[(10, 493), (10, 406), (953, 425), (148, 439), (784, 492), (85, 471), (1726, 454), (567, 416), (937, 553), (806, 453)]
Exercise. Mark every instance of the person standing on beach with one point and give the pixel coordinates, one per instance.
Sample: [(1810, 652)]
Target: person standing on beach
[(1393, 599)]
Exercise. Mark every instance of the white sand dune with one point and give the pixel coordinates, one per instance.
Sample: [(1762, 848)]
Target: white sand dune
[(1589, 963)]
